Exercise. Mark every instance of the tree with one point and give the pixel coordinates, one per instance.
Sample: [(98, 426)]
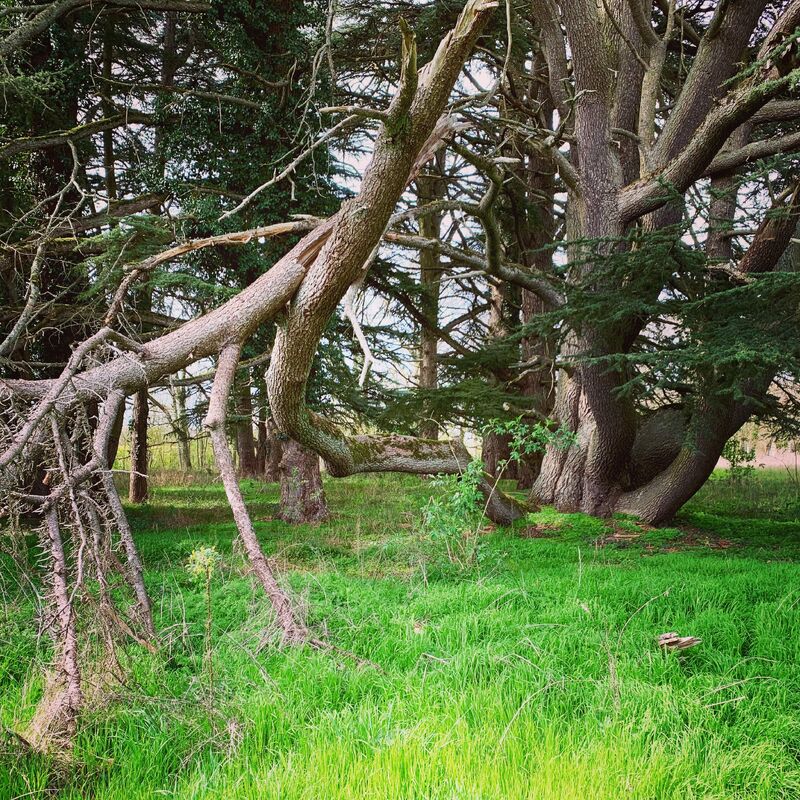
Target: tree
[(639, 148), (304, 286), (598, 220)]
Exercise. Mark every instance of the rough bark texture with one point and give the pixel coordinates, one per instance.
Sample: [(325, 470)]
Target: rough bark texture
[(304, 287), (302, 492), (408, 140), (495, 452), (137, 482), (647, 467)]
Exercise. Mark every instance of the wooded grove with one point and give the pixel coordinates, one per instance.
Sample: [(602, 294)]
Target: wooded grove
[(548, 247)]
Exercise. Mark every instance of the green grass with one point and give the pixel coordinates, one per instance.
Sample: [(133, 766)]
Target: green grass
[(533, 674)]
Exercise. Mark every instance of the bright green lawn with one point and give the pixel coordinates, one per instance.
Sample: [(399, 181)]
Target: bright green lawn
[(533, 675)]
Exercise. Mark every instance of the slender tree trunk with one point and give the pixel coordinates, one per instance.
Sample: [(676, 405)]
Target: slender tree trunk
[(293, 628), (181, 426), (302, 493), (496, 446), (272, 467), (534, 220), (138, 481), (431, 187), (245, 441), (537, 384), (56, 717), (109, 161), (262, 434), (116, 435)]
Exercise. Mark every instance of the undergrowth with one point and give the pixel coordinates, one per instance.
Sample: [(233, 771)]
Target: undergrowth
[(528, 671)]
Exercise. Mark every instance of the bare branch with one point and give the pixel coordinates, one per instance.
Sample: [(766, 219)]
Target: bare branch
[(294, 631)]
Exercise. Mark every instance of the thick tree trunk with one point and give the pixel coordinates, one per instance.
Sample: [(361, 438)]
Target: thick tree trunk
[(302, 492), (579, 478), (137, 484), (674, 452), (245, 441)]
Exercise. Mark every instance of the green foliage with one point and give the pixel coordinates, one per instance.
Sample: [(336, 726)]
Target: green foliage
[(452, 518), (202, 562), (526, 439), (741, 459), (201, 565)]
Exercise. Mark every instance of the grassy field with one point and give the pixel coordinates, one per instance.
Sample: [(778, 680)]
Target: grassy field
[(532, 673)]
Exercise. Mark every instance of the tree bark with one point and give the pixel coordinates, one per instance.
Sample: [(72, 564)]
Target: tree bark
[(181, 426), (496, 447), (262, 433), (138, 480), (293, 629), (245, 442), (302, 493), (57, 715), (537, 384), (430, 187), (272, 469), (496, 452)]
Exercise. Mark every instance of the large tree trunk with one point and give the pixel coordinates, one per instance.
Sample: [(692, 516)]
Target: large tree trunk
[(585, 476), (137, 483), (302, 492)]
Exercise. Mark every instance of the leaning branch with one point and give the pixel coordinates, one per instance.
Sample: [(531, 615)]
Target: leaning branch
[(294, 631)]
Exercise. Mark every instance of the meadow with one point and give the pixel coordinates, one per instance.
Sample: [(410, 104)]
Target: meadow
[(532, 671)]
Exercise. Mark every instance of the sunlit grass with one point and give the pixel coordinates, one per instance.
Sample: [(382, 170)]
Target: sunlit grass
[(533, 674)]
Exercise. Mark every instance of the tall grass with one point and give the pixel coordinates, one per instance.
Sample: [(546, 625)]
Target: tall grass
[(533, 674)]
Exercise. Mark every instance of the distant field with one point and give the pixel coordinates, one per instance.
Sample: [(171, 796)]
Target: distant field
[(531, 674)]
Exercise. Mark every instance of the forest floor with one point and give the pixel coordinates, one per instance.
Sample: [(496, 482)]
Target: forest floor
[(530, 672)]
